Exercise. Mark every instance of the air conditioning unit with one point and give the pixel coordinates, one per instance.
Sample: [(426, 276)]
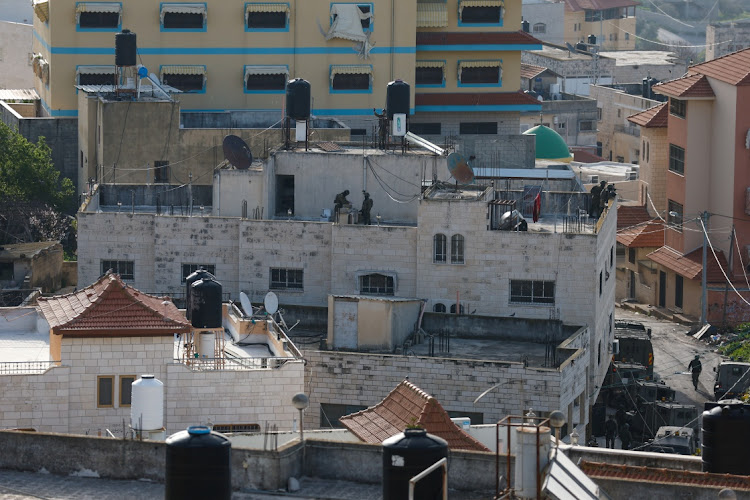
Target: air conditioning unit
[(632, 176), (594, 179)]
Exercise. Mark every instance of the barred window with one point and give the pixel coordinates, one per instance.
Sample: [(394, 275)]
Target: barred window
[(676, 159), (287, 279), (376, 284), (188, 269), (440, 248), (532, 292), (457, 249), (125, 268)]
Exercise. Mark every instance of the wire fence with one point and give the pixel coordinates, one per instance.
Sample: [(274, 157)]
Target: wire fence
[(234, 364)]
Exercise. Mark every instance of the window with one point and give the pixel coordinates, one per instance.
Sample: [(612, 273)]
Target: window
[(125, 268), (430, 73), (631, 255), (480, 73), (270, 79), (96, 75), (460, 309), (481, 128), (438, 308), (532, 292), (678, 287), (540, 28), (161, 171), (677, 107), (105, 391), (188, 78), (188, 269), (287, 279), (6, 271), (225, 428), (612, 256), (457, 249), (627, 36), (599, 114), (183, 16), (365, 14), (674, 215), (355, 78), (599, 354), (98, 16), (126, 389), (358, 131), (284, 194), (676, 159), (601, 283), (440, 248), (648, 144), (425, 128), (376, 284), (267, 17), (489, 12), (586, 125)]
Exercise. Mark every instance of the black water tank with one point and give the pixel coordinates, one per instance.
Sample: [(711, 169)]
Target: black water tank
[(298, 99), (125, 49), (397, 98), (592, 40), (725, 440), (199, 274), (407, 454), (198, 465), (525, 26), (205, 302)]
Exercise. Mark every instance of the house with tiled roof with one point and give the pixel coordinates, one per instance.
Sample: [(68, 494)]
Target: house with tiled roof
[(408, 406), (696, 163), (69, 364), (638, 234)]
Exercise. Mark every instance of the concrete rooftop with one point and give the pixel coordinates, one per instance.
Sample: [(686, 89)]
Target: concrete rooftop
[(487, 350)]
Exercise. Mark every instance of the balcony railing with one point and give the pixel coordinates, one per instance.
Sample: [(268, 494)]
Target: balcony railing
[(230, 363), (627, 129), (26, 367)]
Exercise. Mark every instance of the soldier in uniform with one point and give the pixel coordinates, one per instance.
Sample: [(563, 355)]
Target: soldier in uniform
[(341, 200), (596, 192), (695, 368), (366, 208)]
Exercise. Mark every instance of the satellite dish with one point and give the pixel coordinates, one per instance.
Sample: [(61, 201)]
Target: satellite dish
[(237, 153), (460, 169), (247, 307), (571, 48), (271, 302)]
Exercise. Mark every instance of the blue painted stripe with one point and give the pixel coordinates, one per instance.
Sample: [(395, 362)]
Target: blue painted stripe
[(478, 47), (315, 112), (62, 113), (485, 107)]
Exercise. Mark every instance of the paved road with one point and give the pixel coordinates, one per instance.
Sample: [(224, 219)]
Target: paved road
[(673, 350)]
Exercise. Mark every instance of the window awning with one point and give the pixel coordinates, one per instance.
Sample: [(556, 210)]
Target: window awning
[(479, 3), (95, 70), (430, 64), (361, 69), (182, 70), (41, 8), (265, 70), (267, 7), (479, 64), (182, 8), (432, 15), (105, 7)]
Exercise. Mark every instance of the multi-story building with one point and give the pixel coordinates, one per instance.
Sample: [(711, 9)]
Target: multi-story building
[(727, 37), (706, 184), (575, 70), (460, 56)]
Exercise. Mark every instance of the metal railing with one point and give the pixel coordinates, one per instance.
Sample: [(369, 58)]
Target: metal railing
[(629, 130), (26, 367), (442, 463), (233, 364)]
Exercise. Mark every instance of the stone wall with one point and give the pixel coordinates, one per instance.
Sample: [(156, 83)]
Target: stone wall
[(36, 401)]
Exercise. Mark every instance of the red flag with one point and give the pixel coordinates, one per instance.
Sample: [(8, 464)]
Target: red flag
[(537, 207)]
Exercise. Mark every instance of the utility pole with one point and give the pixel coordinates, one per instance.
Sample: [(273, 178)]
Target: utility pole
[(704, 302)]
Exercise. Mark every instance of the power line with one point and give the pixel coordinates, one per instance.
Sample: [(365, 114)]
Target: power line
[(719, 264)]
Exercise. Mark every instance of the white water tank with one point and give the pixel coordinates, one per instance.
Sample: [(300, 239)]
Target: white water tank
[(527, 468), (147, 404), (207, 341)]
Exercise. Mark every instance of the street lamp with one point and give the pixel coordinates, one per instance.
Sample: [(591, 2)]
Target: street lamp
[(557, 420), (301, 401)]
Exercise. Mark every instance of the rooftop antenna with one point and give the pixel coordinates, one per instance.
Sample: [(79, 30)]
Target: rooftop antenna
[(237, 152)]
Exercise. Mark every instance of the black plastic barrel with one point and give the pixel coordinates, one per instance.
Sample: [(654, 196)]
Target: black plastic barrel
[(725, 440), (205, 303), (397, 98), (525, 26), (125, 49), (592, 39), (407, 454), (198, 465), (199, 274), (298, 99)]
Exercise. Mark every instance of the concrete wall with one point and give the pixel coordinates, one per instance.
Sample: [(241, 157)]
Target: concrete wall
[(544, 21), (59, 134), (724, 38), (576, 73), (15, 56)]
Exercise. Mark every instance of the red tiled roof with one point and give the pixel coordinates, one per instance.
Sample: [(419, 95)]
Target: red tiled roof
[(690, 265), (529, 71), (630, 215), (584, 156), (695, 86), (578, 5), (650, 234), (474, 99), (111, 308), (476, 38), (732, 68), (655, 117), (669, 476), (408, 405)]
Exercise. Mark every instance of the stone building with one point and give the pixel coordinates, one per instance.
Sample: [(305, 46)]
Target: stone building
[(575, 70), (31, 265), (726, 37)]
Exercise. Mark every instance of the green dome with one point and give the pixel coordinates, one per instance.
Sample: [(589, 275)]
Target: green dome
[(549, 144)]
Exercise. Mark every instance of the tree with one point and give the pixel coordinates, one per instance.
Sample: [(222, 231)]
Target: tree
[(27, 173)]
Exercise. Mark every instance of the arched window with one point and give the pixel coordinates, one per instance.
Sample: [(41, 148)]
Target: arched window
[(439, 307), (376, 284), (440, 250), (457, 249), (540, 28), (460, 309)]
